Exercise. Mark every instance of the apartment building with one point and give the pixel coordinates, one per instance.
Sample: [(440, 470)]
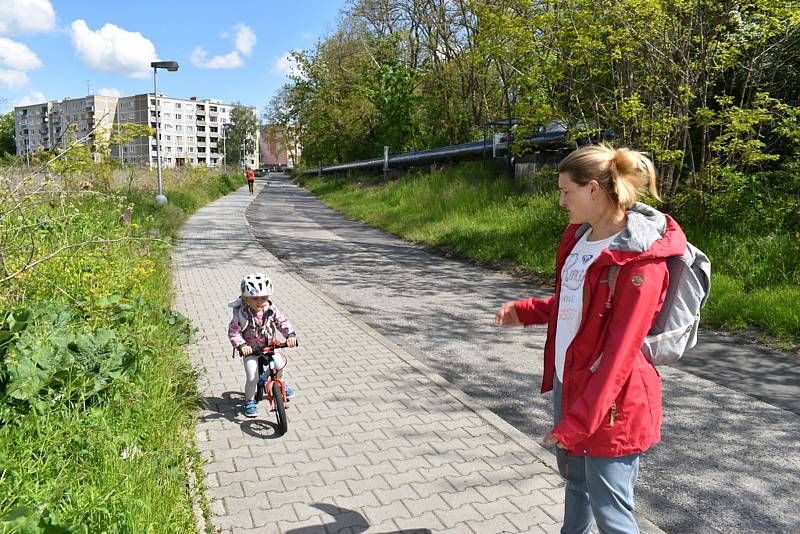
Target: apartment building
[(191, 131), (276, 148), (45, 126)]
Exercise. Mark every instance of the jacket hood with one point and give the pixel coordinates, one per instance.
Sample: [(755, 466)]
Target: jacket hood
[(648, 234)]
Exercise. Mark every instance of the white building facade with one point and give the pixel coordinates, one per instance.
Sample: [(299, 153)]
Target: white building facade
[(192, 131)]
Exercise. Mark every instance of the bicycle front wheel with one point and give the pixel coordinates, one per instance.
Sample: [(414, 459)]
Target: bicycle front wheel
[(280, 408)]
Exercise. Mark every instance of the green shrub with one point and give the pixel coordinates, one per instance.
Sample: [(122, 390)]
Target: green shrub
[(96, 390)]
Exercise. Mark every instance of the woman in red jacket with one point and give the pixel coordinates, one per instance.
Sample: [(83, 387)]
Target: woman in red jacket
[(251, 179), (607, 396)]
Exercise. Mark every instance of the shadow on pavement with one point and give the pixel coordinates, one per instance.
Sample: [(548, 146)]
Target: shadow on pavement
[(229, 407), (346, 519)]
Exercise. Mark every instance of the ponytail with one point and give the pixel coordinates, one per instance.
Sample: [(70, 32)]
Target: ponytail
[(623, 173)]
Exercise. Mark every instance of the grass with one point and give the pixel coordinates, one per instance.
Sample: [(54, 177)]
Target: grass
[(490, 220), (80, 456)]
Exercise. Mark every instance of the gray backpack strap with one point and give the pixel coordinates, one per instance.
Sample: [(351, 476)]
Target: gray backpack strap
[(241, 317)]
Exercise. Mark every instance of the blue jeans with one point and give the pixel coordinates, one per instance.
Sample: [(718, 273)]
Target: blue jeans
[(598, 489)]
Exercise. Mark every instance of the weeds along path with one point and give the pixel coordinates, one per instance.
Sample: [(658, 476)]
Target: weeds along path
[(728, 461)]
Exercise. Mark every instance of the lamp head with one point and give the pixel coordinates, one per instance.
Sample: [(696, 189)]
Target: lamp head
[(171, 66)]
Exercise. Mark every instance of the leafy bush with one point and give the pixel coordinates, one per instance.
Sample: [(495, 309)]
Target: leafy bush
[(96, 389)]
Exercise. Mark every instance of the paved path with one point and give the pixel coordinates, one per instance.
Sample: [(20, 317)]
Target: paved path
[(376, 441), (730, 456)]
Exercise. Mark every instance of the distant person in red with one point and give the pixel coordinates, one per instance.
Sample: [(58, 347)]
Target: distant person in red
[(251, 180)]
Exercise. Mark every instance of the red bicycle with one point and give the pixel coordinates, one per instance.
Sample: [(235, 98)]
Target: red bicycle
[(270, 386)]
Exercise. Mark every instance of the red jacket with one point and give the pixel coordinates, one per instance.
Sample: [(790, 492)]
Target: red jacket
[(611, 395), (251, 176)]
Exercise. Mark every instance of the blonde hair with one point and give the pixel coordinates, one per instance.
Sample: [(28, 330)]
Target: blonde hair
[(623, 173)]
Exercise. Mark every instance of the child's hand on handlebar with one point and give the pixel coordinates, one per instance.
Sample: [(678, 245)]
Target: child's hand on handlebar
[(291, 341), (245, 350)]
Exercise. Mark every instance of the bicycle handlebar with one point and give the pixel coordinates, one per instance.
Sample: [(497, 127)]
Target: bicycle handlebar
[(279, 345), (270, 349)]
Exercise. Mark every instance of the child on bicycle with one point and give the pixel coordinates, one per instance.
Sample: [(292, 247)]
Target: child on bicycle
[(256, 321)]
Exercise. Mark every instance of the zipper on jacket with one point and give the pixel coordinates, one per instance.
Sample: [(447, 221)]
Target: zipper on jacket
[(613, 414)]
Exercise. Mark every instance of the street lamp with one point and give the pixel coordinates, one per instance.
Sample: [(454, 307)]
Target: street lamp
[(225, 145), (171, 66)]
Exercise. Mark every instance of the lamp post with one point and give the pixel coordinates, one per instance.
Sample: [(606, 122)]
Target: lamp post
[(171, 66), (225, 145)]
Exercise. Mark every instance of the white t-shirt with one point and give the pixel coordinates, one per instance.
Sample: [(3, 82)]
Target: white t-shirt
[(570, 304)]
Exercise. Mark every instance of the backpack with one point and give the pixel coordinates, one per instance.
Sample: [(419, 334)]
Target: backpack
[(675, 328)]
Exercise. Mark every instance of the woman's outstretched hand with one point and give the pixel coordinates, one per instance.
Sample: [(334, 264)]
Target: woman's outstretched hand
[(507, 315)]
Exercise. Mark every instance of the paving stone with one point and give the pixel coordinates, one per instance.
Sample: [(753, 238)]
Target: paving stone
[(495, 525), (241, 520), (386, 512), (450, 518), (275, 515), (236, 504)]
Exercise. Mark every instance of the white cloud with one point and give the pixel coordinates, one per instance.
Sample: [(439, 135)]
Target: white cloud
[(17, 56), (286, 66), (13, 79), (228, 61), (106, 91), (245, 39), (26, 16), (113, 49), (36, 97)]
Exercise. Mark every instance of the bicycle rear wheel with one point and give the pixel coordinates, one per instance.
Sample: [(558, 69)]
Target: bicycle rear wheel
[(280, 408)]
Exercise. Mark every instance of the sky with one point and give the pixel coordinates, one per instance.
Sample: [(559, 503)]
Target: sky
[(234, 51)]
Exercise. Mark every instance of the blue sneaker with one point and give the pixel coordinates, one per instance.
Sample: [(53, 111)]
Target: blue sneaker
[(250, 409), (289, 391)]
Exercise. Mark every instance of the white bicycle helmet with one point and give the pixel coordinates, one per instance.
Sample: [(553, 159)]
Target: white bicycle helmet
[(256, 285)]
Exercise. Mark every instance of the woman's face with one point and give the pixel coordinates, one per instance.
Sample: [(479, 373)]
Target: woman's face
[(577, 199)]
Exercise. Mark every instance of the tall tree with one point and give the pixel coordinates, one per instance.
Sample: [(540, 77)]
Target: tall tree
[(7, 144), (240, 134), (281, 118), (670, 77)]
